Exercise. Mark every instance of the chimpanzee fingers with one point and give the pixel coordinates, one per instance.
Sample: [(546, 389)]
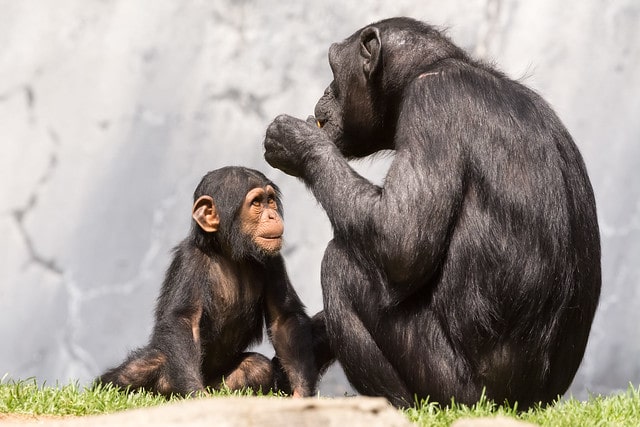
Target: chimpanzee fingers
[(278, 157), (273, 140), (274, 130), (272, 151), (284, 131), (283, 142), (287, 168), (272, 157)]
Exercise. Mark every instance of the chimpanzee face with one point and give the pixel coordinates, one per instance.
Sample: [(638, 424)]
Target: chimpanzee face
[(347, 111), (240, 209), (260, 220)]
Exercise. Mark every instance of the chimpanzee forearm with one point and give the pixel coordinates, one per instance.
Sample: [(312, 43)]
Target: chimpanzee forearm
[(182, 369), (291, 338)]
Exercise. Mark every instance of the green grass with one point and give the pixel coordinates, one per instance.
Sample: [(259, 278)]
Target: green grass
[(615, 410), (27, 397)]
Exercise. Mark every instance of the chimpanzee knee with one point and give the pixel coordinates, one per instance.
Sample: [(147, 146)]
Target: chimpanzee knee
[(254, 371)]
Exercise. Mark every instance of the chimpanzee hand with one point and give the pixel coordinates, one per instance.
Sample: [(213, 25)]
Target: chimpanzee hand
[(289, 142)]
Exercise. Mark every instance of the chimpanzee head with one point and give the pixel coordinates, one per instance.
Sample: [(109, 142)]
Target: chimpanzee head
[(371, 70), (238, 211)]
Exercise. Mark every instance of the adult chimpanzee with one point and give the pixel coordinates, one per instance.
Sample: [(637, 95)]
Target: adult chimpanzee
[(225, 277), (477, 263)]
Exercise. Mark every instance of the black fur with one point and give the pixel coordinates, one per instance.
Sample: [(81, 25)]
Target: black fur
[(477, 263)]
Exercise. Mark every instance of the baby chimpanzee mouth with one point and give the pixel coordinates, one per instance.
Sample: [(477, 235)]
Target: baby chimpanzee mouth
[(271, 237)]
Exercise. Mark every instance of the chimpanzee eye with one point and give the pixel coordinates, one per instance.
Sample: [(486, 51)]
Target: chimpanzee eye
[(271, 201), (256, 202)]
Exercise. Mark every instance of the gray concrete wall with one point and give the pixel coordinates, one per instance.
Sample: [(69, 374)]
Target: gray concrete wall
[(111, 111)]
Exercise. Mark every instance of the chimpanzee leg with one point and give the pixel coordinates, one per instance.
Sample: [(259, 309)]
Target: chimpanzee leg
[(147, 368), (345, 290), (253, 370)]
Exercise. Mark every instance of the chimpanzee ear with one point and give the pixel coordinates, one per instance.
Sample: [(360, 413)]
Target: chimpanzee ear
[(370, 47), (205, 214)]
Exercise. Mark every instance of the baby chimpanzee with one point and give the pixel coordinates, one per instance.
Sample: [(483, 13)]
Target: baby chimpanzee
[(226, 279)]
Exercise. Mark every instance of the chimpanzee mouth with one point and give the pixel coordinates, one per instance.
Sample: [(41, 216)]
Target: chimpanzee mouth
[(269, 244), (278, 237)]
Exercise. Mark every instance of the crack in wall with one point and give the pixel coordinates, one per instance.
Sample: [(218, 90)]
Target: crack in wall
[(27, 91), (19, 214), (75, 351), (29, 96), (35, 257)]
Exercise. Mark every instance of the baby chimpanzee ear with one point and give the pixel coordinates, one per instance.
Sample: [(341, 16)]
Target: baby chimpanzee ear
[(205, 214)]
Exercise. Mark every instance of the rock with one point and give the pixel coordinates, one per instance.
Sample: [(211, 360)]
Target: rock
[(245, 412)]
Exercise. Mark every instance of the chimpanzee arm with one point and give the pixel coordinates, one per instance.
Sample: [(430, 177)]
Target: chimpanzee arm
[(174, 338), (289, 329), (176, 333), (404, 224)]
